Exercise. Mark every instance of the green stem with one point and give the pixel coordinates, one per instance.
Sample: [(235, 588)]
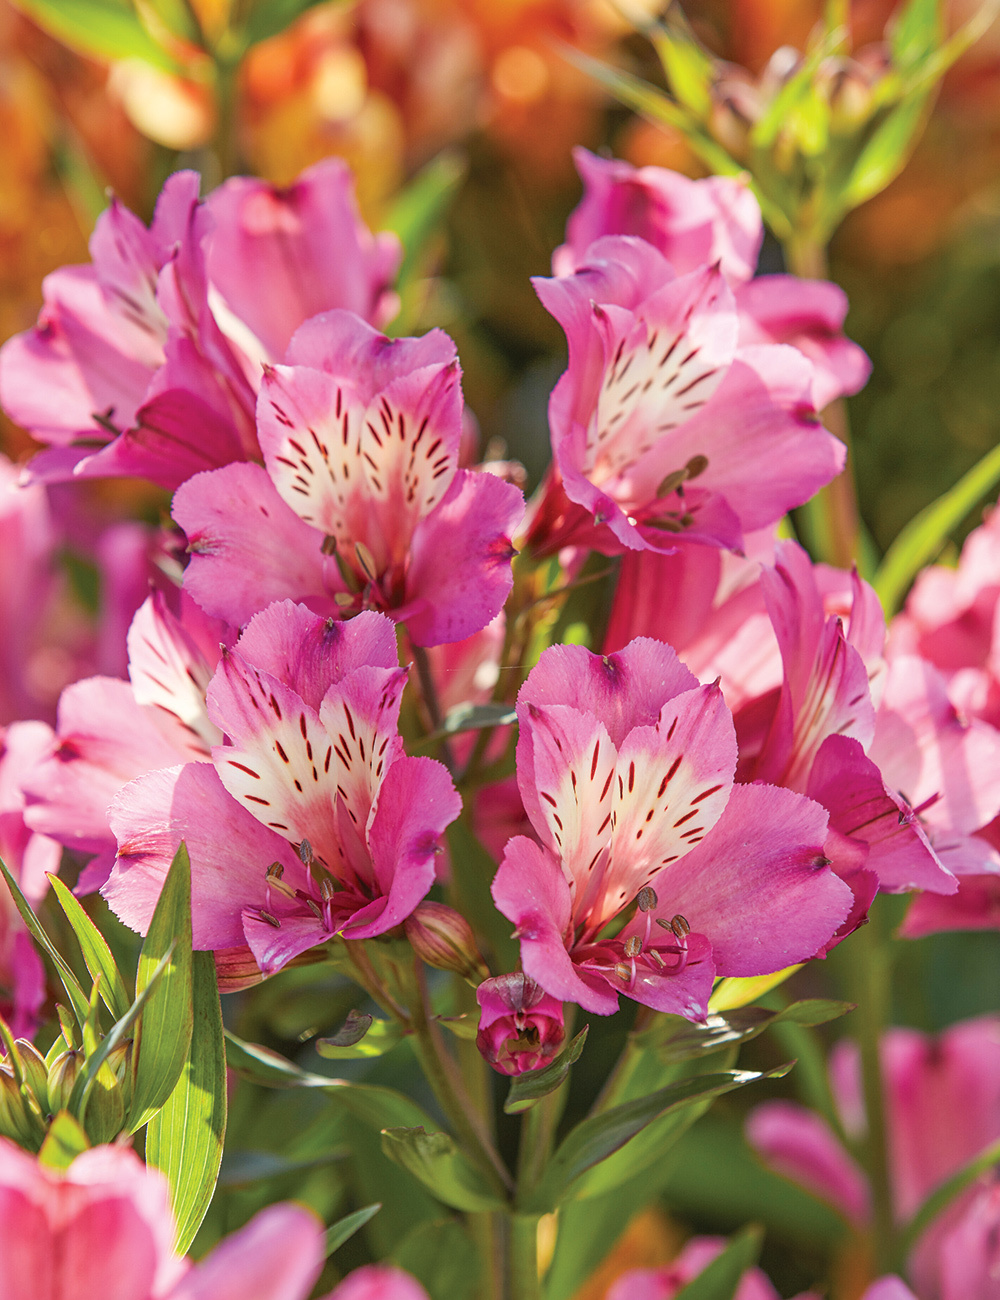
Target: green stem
[(442, 1074), (832, 515), (873, 988), (524, 1283)]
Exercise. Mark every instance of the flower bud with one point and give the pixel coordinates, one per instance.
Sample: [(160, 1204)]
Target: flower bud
[(61, 1078), (20, 1115), (520, 1026), (444, 939)]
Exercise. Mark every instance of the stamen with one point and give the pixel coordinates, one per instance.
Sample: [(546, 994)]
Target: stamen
[(329, 546), (680, 926), (269, 917), (633, 946), (646, 899), (367, 561), (306, 855)]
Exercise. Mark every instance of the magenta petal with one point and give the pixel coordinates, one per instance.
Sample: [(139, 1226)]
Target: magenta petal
[(849, 784), (278, 1255), (472, 525), (976, 906), (531, 890), (230, 852), (416, 802), (378, 1282), (247, 548), (624, 690), (340, 344), (275, 946), (756, 885), (799, 1145), (309, 652)]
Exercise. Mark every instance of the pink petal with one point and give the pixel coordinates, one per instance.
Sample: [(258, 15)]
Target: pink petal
[(278, 1255), (976, 906), (753, 886), (247, 548), (378, 1282), (169, 671), (799, 1145), (472, 525), (344, 346)]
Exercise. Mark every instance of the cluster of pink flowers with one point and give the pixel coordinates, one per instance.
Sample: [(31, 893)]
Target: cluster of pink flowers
[(721, 791)]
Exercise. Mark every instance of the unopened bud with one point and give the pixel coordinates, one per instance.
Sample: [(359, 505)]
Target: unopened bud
[(443, 938), (61, 1078), (520, 1026)]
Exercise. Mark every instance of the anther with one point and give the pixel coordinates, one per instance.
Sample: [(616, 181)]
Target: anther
[(305, 853), (367, 561), (327, 889), (269, 918), (695, 466), (633, 946), (329, 546), (680, 926), (623, 971), (646, 898)]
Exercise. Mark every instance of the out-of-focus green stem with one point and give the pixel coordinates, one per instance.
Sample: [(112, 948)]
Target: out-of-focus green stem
[(871, 979), (524, 1282), (832, 515)]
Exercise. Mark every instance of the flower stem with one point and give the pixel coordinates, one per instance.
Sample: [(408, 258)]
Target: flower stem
[(873, 988), (524, 1283), (832, 515)]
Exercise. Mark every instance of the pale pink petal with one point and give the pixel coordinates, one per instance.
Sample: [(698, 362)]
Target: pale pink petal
[(169, 671), (278, 1255), (248, 548), (969, 1258), (230, 852), (378, 1282), (891, 1288), (799, 1145), (344, 346)]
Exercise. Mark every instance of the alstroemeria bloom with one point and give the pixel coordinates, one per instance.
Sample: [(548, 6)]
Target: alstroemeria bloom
[(694, 223), (109, 731), (361, 437), (312, 821), (147, 362), (664, 1283), (520, 1025), (664, 425), (942, 1108), (626, 767), (104, 1227)]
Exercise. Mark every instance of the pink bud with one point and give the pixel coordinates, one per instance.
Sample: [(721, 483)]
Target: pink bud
[(443, 938), (521, 1026)]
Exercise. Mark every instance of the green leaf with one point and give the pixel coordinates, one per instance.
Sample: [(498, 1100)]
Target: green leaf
[(472, 717), (176, 17), (680, 1040), (599, 1136), (738, 991), (528, 1088), (346, 1227), (690, 71), (442, 1257), (105, 29), (64, 1141), (374, 1040), (721, 1278), (887, 151), (915, 30), (96, 952), (185, 1138), (922, 538), (419, 209), (434, 1159), (269, 17), (163, 1038), (243, 1169), (378, 1107), (78, 999)]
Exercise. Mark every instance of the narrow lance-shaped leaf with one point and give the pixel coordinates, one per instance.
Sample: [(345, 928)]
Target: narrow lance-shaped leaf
[(78, 999), (185, 1138), (684, 1041), (106, 29), (721, 1278), (96, 952), (346, 1227), (164, 1034), (533, 1085), (600, 1135), (440, 1166)]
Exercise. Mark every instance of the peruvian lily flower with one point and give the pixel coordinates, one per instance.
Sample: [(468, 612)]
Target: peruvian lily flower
[(362, 495), (109, 731), (943, 1109), (148, 361), (104, 1227), (694, 223), (312, 821), (626, 768), (665, 1283), (665, 425), (520, 1025)]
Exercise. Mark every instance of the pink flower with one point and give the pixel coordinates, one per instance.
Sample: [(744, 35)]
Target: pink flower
[(109, 731), (104, 1227), (943, 1108), (520, 1025), (361, 436), (626, 769), (378, 1282), (664, 1283), (153, 352), (695, 223), (311, 821), (665, 425)]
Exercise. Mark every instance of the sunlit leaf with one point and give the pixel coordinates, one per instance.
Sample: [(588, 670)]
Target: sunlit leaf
[(721, 1278), (736, 991), (105, 29), (441, 1167), (74, 992), (533, 1085), (96, 952), (64, 1141), (375, 1039)]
